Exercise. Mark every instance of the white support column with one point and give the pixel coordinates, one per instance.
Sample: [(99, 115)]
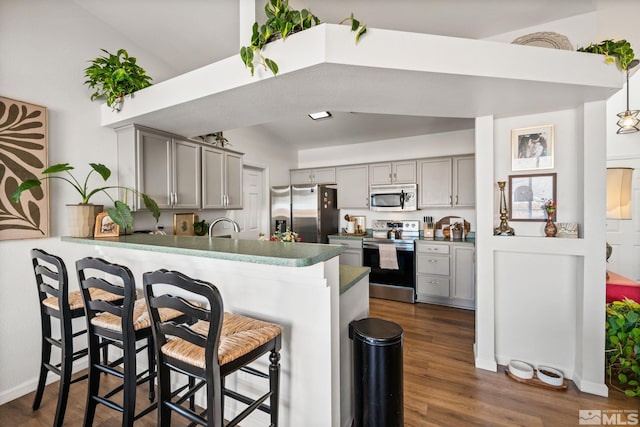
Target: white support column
[(485, 298), (591, 296), (247, 17)]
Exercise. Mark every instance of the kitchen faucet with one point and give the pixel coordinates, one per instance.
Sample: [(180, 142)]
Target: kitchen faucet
[(236, 227)]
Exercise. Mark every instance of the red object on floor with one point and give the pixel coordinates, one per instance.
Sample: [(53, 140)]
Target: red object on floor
[(620, 287)]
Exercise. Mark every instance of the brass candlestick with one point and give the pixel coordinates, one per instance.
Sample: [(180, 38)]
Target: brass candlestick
[(503, 229)]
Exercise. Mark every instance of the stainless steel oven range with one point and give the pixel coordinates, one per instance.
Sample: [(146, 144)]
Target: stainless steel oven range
[(389, 279)]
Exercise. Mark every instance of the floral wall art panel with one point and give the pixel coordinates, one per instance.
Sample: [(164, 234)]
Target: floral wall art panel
[(23, 154)]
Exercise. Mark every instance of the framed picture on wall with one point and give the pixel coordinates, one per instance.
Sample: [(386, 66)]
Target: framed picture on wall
[(532, 148), (528, 193)]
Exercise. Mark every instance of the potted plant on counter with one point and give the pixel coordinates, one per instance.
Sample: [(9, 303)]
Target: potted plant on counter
[(83, 215), (282, 21), (114, 76)]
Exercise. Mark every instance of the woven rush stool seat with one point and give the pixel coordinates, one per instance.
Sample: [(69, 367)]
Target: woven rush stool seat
[(239, 335), (75, 299), (207, 345), (122, 324)]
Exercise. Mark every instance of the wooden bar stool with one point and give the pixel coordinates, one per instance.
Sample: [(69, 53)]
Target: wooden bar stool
[(208, 346), (56, 302), (122, 323), (53, 290)]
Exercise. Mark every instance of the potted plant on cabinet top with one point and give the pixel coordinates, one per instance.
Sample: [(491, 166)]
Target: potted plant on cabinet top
[(83, 215), (282, 21), (115, 76)]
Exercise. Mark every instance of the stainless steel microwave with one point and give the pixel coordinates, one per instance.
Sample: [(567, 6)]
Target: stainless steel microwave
[(394, 198)]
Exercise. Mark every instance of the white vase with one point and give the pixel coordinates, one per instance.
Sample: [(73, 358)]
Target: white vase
[(82, 219)]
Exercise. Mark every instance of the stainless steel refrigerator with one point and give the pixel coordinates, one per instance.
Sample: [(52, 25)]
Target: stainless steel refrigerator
[(309, 210)]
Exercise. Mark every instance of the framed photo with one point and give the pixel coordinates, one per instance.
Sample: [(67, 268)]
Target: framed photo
[(532, 148), (527, 195), (183, 224), (105, 227)]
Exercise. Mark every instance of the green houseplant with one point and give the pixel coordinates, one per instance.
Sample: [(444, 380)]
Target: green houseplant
[(619, 51), (120, 213), (114, 76), (282, 21), (623, 346)]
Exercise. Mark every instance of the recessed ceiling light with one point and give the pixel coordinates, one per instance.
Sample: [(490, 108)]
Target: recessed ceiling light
[(320, 115)]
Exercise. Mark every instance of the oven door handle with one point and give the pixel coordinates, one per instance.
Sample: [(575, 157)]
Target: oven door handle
[(402, 193)]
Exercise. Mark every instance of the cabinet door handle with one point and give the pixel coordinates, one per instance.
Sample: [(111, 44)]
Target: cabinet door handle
[(456, 199), (451, 200)]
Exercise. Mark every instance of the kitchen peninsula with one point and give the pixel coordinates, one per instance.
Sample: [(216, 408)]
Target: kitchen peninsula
[(297, 285)]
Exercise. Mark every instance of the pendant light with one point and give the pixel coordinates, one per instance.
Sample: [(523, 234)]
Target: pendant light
[(628, 122)]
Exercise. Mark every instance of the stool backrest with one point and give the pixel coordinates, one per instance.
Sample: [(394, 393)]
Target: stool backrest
[(95, 274), (51, 277), (172, 289), (52, 281)]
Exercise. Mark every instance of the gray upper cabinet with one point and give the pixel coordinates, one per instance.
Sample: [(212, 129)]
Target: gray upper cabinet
[(353, 186), (464, 181), (393, 173), (221, 179), (434, 188), (446, 182), (313, 176), (161, 165), (177, 173)]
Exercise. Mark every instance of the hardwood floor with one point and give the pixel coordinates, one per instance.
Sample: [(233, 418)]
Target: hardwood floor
[(441, 385)]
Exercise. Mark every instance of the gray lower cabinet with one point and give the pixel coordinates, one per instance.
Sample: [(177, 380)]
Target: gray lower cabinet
[(445, 273), (353, 250)]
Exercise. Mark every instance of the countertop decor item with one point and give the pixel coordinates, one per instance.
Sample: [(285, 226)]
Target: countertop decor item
[(282, 21), (287, 236), (503, 229), (550, 228), (120, 213), (114, 76), (201, 228)]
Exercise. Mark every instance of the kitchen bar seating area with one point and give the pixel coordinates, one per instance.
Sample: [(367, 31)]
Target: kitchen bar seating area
[(179, 334)]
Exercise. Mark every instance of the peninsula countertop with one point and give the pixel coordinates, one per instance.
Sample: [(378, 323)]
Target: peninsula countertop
[(286, 254)]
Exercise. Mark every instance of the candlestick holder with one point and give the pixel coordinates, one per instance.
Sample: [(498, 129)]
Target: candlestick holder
[(503, 229)]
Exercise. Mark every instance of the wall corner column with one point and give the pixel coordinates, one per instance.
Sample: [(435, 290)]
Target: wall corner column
[(485, 295)]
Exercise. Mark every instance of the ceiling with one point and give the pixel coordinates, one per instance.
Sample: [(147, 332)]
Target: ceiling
[(195, 33)]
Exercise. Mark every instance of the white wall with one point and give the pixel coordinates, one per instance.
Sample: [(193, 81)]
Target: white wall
[(44, 48)]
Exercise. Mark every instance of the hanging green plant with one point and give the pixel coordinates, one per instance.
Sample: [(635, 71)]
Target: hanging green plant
[(282, 21), (114, 76), (619, 50)]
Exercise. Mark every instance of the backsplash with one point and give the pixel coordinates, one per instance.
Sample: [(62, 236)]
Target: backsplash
[(468, 214)]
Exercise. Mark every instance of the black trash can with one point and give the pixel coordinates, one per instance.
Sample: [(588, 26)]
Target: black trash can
[(377, 373)]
